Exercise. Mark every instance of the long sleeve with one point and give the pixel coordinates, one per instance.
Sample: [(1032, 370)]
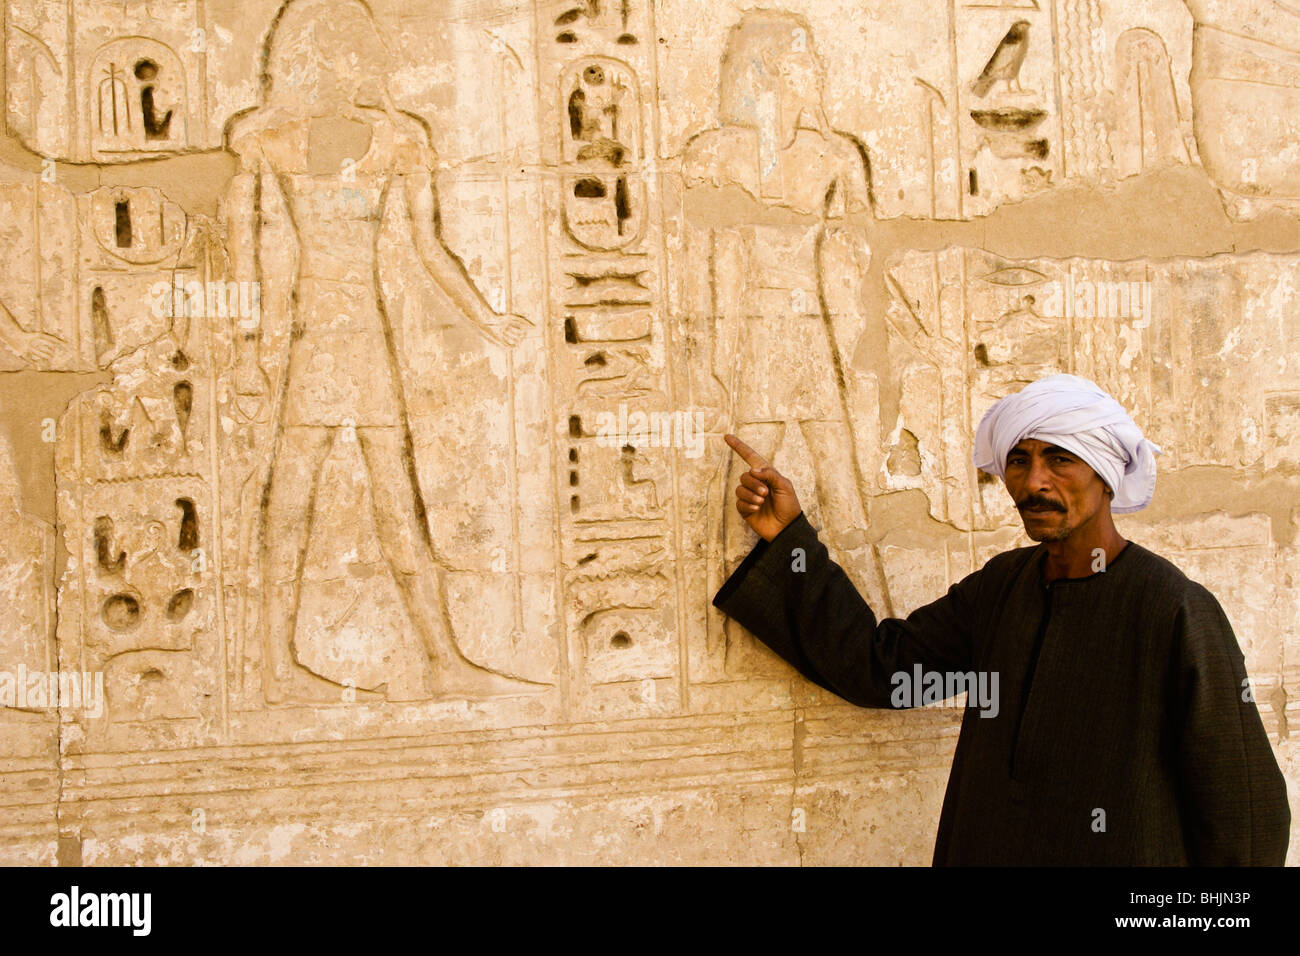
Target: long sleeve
[(1233, 795), (801, 604)]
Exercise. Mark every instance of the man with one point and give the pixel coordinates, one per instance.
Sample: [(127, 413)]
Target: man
[(1126, 731)]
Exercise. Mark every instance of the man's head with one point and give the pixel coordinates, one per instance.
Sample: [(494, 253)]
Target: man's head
[(1069, 454), (1055, 491)]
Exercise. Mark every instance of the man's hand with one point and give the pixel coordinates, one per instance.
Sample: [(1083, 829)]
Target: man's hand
[(765, 498)]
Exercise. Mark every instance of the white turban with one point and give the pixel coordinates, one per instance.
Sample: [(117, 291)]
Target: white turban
[(1078, 416)]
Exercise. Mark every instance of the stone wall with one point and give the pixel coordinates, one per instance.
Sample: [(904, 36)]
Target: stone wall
[(362, 373)]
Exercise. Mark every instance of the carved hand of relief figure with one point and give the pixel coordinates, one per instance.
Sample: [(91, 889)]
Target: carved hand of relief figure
[(38, 348), (34, 348), (506, 330)]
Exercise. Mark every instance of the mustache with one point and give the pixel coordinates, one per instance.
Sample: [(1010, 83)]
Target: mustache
[(1038, 501)]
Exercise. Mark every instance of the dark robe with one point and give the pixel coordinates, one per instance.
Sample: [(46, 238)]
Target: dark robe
[(1121, 692)]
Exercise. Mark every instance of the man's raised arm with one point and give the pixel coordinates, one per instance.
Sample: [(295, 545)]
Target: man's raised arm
[(796, 600)]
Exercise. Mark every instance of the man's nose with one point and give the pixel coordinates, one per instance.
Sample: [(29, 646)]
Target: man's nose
[(1039, 476)]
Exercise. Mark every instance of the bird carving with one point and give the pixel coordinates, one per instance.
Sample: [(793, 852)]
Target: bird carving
[(1004, 65)]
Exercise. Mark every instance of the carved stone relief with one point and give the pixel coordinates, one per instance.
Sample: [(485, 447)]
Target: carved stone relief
[(1246, 83)]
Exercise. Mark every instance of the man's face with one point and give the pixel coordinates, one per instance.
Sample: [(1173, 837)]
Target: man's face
[(1055, 490)]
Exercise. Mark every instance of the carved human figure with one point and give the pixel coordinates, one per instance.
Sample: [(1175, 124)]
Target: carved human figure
[(310, 141), (781, 284)]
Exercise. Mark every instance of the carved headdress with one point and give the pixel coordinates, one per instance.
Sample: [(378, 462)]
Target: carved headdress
[(312, 40), (771, 78)]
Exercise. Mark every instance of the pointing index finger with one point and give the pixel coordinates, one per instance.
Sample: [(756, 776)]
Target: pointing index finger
[(752, 458)]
